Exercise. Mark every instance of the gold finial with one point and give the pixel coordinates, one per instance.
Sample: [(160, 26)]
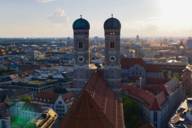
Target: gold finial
[(81, 16)]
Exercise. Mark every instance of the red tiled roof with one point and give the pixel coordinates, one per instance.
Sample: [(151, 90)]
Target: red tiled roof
[(152, 68), (155, 105), (85, 114), (68, 95), (96, 97), (156, 88), (155, 80), (129, 62), (29, 68), (126, 63), (151, 100), (48, 95)]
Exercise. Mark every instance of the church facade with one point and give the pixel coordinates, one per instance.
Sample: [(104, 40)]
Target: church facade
[(112, 68)]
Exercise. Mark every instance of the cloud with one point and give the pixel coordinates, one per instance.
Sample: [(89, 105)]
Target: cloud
[(58, 16), (59, 12), (44, 1)]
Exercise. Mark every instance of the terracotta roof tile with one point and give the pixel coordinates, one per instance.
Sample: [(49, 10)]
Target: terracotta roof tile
[(85, 113), (129, 62), (152, 68), (48, 95), (151, 100), (96, 97), (155, 80)]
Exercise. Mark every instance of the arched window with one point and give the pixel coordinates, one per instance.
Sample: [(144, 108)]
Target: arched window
[(112, 45), (80, 44)]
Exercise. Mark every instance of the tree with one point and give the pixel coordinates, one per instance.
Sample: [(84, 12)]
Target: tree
[(30, 125), (26, 99), (131, 112)]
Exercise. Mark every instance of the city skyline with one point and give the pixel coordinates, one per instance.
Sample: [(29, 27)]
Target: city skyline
[(54, 18)]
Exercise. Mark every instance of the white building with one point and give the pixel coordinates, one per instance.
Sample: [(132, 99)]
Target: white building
[(59, 103)]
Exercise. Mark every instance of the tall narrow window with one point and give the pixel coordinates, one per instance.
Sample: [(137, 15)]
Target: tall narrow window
[(112, 45), (155, 118), (80, 45)]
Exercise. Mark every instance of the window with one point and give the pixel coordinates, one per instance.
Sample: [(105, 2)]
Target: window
[(112, 45), (59, 102), (155, 118), (80, 44)]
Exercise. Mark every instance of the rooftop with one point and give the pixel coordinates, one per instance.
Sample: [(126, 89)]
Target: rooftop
[(96, 97), (146, 97), (126, 63)]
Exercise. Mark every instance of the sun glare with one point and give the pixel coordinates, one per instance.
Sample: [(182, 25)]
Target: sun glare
[(176, 11)]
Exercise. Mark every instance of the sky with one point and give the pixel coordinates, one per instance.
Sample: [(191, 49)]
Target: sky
[(54, 18)]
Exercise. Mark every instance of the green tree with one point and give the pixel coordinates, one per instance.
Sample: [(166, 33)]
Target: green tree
[(30, 125), (26, 99), (131, 112)]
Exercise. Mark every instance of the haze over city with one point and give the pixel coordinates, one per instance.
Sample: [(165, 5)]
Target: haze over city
[(95, 64), (54, 18)]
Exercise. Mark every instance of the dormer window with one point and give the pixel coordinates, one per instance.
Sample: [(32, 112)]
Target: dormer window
[(80, 44)]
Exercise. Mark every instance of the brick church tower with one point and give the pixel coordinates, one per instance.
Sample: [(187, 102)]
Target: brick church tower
[(81, 52), (112, 70)]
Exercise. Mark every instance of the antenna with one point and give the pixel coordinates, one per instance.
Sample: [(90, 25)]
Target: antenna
[(81, 16)]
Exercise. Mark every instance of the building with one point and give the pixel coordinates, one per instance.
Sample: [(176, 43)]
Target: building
[(158, 102), (5, 119), (154, 89), (27, 111), (81, 52), (189, 43), (82, 69), (135, 68), (112, 68), (32, 114), (183, 116), (98, 98), (187, 80), (47, 119), (60, 103), (36, 86)]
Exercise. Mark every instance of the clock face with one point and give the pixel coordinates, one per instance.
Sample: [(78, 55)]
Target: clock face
[(112, 58), (81, 59)]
